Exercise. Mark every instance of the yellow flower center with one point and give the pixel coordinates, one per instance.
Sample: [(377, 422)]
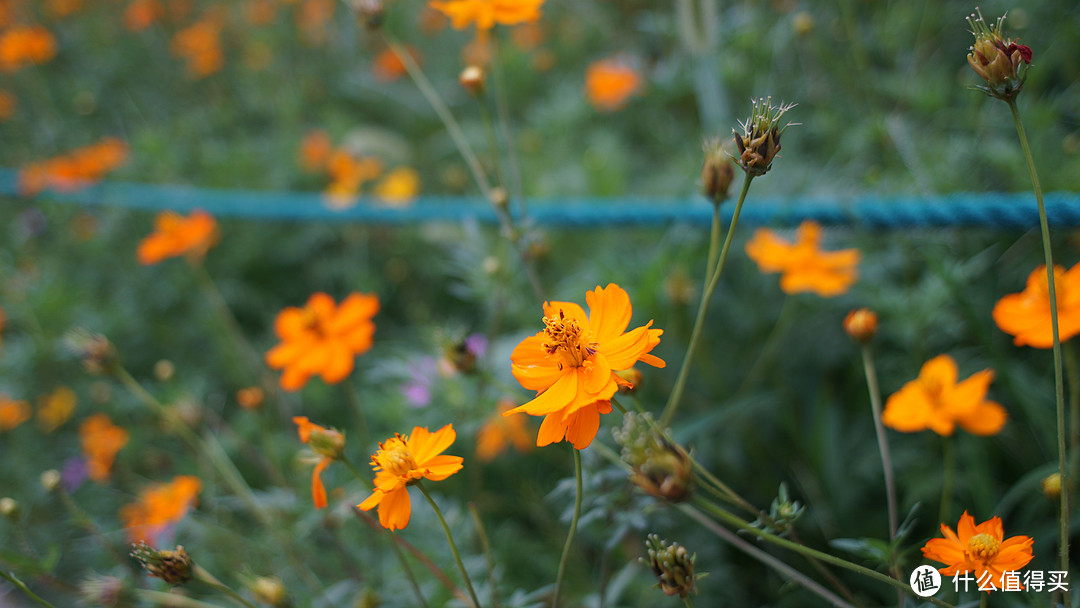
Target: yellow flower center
[(983, 547), (565, 340), (394, 456)]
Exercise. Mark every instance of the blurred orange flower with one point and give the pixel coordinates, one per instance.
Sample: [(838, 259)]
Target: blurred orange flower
[(199, 45), (804, 267), (609, 83), (75, 169), (315, 150), (141, 14), (499, 432), (403, 461), (56, 408), (63, 8), (250, 398), (1026, 315), (12, 412), (979, 550), (348, 175), (572, 363), (388, 67), (159, 506), (22, 45), (175, 235), (484, 14), (101, 440), (399, 188), (937, 402), (327, 443), (312, 18), (8, 104), (260, 12), (322, 338)]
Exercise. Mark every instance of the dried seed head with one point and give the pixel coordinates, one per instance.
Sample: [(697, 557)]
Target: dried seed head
[(660, 468), (172, 566)]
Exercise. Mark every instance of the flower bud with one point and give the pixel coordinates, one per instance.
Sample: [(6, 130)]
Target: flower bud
[(164, 370), (629, 380), (660, 468), (472, 79), (97, 353), (997, 59), (1051, 486), (369, 12), (717, 171), (269, 590), (673, 566), (329, 443), (250, 398), (9, 508), (50, 480), (861, 325), (760, 140), (172, 566), (499, 197)]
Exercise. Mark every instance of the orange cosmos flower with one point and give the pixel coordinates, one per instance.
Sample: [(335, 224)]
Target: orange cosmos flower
[(979, 549), (572, 363), (937, 402), (315, 150), (499, 432), (804, 266), (388, 67), (484, 14), (348, 175), (250, 398), (176, 235), (56, 408), (322, 338), (328, 443), (1026, 315), (159, 506), (199, 45), (22, 45), (609, 83), (12, 412), (141, 14), (404, 461), (75, 169), (101, 440)]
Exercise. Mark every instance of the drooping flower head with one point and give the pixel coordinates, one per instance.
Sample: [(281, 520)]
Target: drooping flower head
[(159, 506), (322, 338), (485, 14), (996, 58), (101, 440), (327, 443), (175, 235), (804, 266), (760, 139), (402, 461), (572, 363), (1026, 315), (979, 549), (936, 401), (610, 82)]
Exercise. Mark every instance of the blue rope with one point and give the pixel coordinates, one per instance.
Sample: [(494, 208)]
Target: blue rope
[(990, 210)]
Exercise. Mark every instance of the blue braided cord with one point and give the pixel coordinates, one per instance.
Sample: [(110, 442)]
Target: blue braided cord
[(990, 210)]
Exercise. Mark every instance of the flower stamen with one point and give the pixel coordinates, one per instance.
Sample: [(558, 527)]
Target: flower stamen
[(566, 335), (983, 547)]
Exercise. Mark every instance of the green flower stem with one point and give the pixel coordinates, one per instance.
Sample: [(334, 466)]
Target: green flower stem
[(573, 529), (982, 600), (783, 322), (1059, 382), (699, 322), (171, 600), (481, 532), (211, 581), (501, 110), (784, 569), (948, 458), (409, 574), (21, 586), (689, 603), (745, 527), (882, 439), (714, 244), (453, 546), (1073, 370)]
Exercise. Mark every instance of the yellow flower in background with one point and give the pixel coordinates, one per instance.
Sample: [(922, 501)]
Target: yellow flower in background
[(1026, 315), (13, 412), (803, 265), (936, 401), (56, 408), (979, 549), (403, 461), (159, 506), (101, 440), (572, 363), (399, 188), (500, 432)]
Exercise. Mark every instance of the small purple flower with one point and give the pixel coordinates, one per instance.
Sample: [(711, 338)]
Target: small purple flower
[(73, 473)]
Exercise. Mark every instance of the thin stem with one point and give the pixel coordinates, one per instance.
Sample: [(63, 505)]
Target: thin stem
[(689, 603), (22, 587), (948, 458), (1059, 381), (714, 244), (409, 574), (573, 529), (763, 557), (1073, 370), (171, 600), (982, 600), (882, 439), (453, 545), (783, 321), (485, 544), (744, 526), (501, 110), (211, 581), (695, 334)]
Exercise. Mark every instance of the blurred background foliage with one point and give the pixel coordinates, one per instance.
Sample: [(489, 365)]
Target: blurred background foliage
[(777, 392)]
